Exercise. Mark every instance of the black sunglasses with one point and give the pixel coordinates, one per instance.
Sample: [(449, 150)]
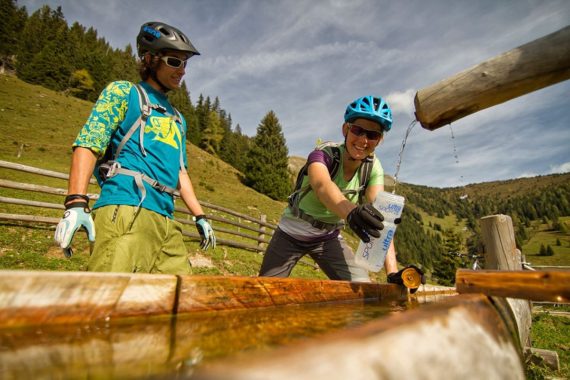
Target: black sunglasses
[(359, 131), (174, 62)]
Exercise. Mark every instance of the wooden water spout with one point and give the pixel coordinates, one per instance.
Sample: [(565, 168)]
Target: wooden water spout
[(547, 286), (530, 67)]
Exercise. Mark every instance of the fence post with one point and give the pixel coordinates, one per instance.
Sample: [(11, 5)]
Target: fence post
[(261, 235), (501, 253)]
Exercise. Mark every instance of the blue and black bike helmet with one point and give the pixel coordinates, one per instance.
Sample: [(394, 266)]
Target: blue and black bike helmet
[(157, 36), (372, 108)]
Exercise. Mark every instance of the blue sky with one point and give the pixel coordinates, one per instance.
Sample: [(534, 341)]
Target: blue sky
[(307, 59)]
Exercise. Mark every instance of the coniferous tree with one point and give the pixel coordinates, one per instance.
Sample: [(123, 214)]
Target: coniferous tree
[(13, 22), (42, 38), (266, 163), (125, 65), (213, 134)]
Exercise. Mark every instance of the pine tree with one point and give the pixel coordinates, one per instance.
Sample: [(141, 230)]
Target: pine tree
[(13, 22), (39, 58), (213, 134), (234, 148), (266, 163)]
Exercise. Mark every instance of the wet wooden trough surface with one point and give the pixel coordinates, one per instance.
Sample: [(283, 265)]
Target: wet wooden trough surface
[(462, 337), (39, 298), (426, 342)]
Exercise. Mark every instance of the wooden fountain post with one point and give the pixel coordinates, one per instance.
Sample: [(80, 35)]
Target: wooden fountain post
[(501, 253)]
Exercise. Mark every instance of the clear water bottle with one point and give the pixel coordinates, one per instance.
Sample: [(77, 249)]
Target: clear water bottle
[(371, 255)]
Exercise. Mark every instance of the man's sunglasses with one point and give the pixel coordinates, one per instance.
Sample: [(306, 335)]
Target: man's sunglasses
[(359, 131), (174, 62)]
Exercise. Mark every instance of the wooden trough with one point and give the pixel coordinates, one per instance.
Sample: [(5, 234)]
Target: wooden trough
[(455, 336), (426, 342)]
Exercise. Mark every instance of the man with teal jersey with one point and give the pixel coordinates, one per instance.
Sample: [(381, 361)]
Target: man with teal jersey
[(145, 137), (163, 139)]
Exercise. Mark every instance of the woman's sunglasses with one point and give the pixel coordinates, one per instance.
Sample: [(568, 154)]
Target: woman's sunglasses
[(359, 131), (174, 62)]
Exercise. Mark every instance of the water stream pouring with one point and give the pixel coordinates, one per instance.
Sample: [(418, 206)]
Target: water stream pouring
[(408, 130), (463, 196)]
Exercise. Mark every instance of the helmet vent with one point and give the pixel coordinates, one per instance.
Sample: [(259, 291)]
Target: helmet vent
[(165, 31), (376, 103)]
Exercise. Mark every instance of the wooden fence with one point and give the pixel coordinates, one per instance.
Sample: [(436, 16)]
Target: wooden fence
[(247, 228)]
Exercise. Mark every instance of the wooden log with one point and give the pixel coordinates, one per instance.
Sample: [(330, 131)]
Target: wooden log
[(24, 202), (231, 212), (29, 218), (498, 237), (530, 67), (33, 170), (54, 174), (38, 188), (200, 293), (497, 234), (41, 298), (461, 338), (261, 235), (38, 298), (217, 228), (29, 187), (553, 286), (543, 358)]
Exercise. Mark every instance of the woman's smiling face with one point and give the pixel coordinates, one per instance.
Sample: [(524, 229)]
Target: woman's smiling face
[(362, 136)]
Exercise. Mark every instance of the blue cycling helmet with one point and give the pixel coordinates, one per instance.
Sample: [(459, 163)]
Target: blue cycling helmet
[(372, 108)]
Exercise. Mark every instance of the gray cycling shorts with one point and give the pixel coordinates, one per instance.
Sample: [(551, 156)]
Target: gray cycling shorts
[(333, 256)]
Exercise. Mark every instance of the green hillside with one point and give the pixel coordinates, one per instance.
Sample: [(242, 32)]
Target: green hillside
[(39, 126)]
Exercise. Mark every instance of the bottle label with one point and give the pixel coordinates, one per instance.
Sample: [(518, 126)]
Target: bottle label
[(371, 255)]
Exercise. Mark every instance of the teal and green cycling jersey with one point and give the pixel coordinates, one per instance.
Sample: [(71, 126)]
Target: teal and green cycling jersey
[(116, 110), (311, 205)]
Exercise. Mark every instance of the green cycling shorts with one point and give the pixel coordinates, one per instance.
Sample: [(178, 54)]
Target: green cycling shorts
[(133, 241)]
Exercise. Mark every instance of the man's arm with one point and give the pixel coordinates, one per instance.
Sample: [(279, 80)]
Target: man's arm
[(188, 195), (82, 164)]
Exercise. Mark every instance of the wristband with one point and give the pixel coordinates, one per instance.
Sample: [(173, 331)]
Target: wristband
[(83, 205), (72, 197), (199, 217)]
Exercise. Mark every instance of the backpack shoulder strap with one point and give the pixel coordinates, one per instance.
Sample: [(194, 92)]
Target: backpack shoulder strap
[(333, 150), (139, 123), (364, 172), (146, 110)]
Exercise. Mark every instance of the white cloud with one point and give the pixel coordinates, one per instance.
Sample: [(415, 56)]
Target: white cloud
[(402, 102), (562, 168)]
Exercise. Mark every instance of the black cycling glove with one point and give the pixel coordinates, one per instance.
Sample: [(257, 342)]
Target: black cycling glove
[(411, 279), (365, 220)]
